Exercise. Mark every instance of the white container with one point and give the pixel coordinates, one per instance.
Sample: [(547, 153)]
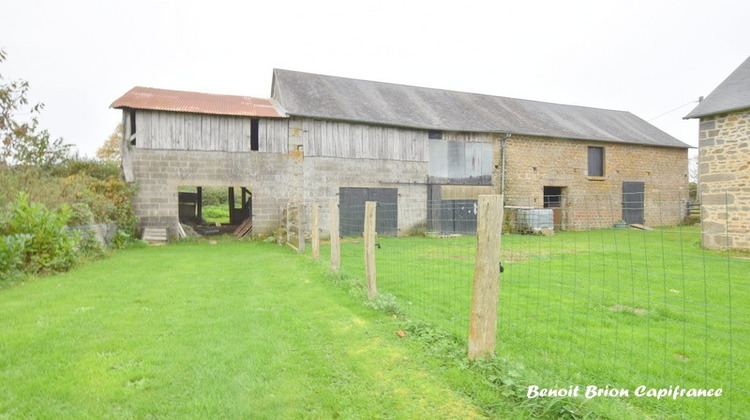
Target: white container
[(534, 220)]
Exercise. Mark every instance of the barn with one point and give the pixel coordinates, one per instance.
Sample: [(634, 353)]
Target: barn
[(724, 162), (324, 138)]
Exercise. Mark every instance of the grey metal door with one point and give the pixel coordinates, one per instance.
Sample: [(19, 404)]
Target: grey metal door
[(352, 210), (458, 216), (633, 202)]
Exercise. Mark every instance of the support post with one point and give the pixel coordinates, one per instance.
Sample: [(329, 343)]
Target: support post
[(483, 322), (301, 229), (335, 242), (315, 232), (369, 241)]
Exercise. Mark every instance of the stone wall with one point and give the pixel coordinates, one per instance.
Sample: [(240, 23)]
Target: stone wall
[(532, 163), (724, 143), (595, 202)]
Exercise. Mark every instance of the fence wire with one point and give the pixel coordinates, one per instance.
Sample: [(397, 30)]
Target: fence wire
[(585, 299)]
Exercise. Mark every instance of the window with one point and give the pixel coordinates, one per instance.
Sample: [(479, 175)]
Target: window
[(596, 161), (254, 134), (131, 134), (553, 197), (434, 135)]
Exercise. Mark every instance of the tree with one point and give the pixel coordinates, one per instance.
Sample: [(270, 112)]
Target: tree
[(110, 150), (693, 168), (23, 142)]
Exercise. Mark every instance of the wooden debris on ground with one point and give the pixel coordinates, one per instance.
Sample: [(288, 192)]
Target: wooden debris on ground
[(640, 226), (244, 229)]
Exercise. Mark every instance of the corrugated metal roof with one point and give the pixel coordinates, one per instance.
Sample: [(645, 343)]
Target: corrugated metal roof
[(329, 97), (731, 95), (194, 102)]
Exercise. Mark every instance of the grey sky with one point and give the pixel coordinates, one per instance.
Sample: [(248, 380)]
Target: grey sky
[(646, 57)]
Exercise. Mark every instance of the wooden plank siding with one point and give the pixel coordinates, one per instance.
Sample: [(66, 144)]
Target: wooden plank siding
[(203, 132), (362, 141)]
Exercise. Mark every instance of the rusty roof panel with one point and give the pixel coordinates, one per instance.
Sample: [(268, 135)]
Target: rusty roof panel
[(194, 102)]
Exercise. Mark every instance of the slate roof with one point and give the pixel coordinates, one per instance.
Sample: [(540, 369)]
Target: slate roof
[(732, 94), (194, 102), (328, 97)]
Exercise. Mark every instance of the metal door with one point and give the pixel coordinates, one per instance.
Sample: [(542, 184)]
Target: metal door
[(352, 210), (633, 202)]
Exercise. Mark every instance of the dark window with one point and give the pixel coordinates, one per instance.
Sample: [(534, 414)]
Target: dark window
[(435, 135), (254, 134), (131, 135), (552, 197), (596, 161)]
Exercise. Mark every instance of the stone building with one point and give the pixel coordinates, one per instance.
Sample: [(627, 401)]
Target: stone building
[(322, 138), (724, 160)]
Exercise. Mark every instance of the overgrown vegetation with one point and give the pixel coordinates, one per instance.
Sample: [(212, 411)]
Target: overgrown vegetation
[(41, 202), (43, 189)]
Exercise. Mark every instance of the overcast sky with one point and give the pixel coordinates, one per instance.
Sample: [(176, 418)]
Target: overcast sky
[(647, 57)]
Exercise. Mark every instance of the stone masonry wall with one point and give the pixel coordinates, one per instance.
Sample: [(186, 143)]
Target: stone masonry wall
[(724, 143), (595, 202), (272, 178)]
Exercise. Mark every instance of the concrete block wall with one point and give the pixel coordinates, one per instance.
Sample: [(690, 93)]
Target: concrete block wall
[(594, 202), (272, 178), (324, 176), (724, 142)]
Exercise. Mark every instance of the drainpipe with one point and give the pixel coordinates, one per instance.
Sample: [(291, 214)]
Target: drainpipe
[(502, 173)]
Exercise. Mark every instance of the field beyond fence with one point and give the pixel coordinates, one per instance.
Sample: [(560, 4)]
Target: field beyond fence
[(615, 308)]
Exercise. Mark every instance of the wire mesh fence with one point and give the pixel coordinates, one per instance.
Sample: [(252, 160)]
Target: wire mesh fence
[(586, 297)]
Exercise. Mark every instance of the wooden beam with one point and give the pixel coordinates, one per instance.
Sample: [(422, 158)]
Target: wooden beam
[(315, 232), (483, 321), (369, 241), (335, 242)]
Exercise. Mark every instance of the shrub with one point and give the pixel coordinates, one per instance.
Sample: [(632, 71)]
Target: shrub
[(80, 215), (11, 255), (49, 247)]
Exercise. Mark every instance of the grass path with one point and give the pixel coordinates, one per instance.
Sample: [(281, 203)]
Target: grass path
[(237, 330)]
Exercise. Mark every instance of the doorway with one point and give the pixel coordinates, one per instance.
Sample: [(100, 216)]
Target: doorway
[(633, 202)]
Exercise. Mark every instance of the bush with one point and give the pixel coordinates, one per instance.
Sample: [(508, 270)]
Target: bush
[(11, 255), (49, 246)]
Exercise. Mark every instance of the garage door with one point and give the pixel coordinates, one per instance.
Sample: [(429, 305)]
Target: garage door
[(352, 210)]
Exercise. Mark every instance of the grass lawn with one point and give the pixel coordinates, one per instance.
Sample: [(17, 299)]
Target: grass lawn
[(232, 330), (617, 308)]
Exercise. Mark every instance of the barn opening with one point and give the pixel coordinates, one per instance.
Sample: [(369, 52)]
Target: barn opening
[(553, 199), (214, 210)]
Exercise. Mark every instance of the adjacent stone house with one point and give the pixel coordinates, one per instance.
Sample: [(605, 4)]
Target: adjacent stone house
[(325, 138), (724, 159)]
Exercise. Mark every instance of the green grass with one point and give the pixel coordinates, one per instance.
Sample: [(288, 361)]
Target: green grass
[(612, 307), (232, 330), (216, 214)]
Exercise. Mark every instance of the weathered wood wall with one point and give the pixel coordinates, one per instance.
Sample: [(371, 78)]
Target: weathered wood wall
[(184, 131), (362, 141)]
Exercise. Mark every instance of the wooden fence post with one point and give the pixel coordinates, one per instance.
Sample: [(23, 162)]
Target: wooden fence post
[(369, 241), (483, 322), (301, 229), (315, 233), (335, 243)]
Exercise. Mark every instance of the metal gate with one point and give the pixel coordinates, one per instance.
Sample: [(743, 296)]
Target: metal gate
[(633, 202), (352, 210)]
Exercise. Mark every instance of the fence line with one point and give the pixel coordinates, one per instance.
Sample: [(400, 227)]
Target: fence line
[(585, 301)]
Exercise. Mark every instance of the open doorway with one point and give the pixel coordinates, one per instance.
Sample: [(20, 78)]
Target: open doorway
[(553, 199), (211, 210)]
